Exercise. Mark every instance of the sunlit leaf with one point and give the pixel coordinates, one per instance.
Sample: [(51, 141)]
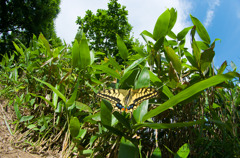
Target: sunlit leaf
[(161, 26), (173, 57), (202, 32), (183, 152)]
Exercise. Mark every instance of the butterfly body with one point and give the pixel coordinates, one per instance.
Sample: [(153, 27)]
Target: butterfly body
[(127, 100)]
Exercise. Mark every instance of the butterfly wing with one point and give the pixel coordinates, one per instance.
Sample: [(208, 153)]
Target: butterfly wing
[(138, 96), (115, 96)]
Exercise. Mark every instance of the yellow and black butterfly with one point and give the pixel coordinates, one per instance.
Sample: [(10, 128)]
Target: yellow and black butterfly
[(127, 100)]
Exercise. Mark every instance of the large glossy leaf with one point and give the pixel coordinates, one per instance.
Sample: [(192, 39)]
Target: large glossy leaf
[(161, 26), (202, 32), (187, 93), (143, 79), (122, 48), (173, 18), (173, 57), (127, 149), (181, 35)]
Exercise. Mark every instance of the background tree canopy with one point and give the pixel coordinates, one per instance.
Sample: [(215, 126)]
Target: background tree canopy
[(101, 29), (21, 19)]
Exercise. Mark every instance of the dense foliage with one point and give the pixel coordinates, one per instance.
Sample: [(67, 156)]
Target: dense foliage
[(52, 90), (101, 29), (21, 19)]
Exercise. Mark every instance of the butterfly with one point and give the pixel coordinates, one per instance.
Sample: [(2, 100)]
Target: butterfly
[(127, 100)]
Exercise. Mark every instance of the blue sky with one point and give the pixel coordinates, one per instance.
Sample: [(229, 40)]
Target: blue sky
[(220, 17)]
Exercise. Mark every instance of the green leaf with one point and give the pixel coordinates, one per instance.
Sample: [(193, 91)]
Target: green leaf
[(16, 109), (161, 26), (74, 126), (82, 133), (143, 79), (190, 91), (173, 19), (84, 53), (156, 153), (173, 57), (19, 50), (146, 33), (191, 59), (53, 89), (159, 44), (122, 48), (106, 113), (45, 42), (223, 67), (26, 118), (134, 64), (107, 70), (196, 53), (127, 149), (73, 97), (206, 59), (202, 45), (172, 35), (114, 63), (75, 54), (167, 125), (183, 152), (202, 32), (83, 107), (182, 34), (122, 119)]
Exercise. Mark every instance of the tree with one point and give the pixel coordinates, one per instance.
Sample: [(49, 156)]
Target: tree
[(21, 19), (102, 28)]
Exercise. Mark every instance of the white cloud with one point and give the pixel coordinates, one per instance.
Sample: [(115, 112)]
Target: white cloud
[(142, 14), (210, 12)]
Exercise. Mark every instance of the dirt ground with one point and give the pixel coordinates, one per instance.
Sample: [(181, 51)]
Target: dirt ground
[(7, 148)]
